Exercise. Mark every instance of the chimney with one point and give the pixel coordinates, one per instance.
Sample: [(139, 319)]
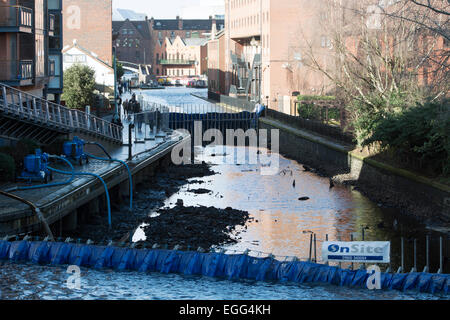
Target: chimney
[(180, 23), (213, 30), (152, 23)]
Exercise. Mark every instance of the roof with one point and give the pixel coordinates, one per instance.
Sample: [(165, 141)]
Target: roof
[(88, 52), (189, 24), (141, 26), (195, 41)]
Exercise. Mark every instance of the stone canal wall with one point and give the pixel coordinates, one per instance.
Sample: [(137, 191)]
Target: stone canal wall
[(399, 187)]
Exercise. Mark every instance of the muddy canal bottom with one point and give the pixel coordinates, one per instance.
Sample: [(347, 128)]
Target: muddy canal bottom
[(280, 223)]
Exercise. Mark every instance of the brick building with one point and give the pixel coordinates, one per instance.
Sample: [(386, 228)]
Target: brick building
[(183, 57), (133, 41), (188, 30), (30, 51), (90, 24)]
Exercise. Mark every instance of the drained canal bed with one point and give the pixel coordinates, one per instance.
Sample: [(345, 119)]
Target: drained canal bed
[(262, 213), (280, 223)]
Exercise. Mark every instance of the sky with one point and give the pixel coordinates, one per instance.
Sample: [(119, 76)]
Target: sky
[(169, 9)]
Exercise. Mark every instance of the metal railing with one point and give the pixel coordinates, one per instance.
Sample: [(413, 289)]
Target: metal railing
[(176, 62), (15, 70), (31, 108), (16, 16)]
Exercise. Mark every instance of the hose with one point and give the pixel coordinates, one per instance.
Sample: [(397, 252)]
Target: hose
[(56, 184), (101, 147), (130, 177), (92, 175), (35, 210)]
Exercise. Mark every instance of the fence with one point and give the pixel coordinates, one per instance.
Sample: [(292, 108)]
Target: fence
[(24, 106), (312, 125), (211, 264)]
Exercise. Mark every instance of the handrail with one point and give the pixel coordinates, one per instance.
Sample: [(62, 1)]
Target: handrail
[(32, 107)]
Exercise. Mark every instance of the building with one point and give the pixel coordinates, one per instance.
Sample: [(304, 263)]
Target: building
[(75, 54), (265, 42), (30, 53), (90, 24), (133, 41), (189, 31), (183, 57)]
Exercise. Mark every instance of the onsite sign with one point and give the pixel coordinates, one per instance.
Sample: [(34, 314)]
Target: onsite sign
[(370, 252)]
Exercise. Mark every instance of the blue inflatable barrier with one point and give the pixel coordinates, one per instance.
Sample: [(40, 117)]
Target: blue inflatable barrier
[(232, 267)]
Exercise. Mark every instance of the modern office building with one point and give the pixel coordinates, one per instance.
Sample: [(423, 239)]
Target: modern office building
[(30, 53)]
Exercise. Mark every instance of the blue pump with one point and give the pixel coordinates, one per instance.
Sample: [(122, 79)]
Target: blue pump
[(74, 151), (35, 168)]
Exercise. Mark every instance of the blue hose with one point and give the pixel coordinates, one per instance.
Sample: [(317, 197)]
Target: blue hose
[(56, 184), (130, 177), (92, 175)]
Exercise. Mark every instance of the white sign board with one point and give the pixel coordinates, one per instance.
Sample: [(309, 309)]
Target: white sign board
[(369, 252)]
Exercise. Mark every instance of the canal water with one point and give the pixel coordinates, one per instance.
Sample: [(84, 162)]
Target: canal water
[(282, 226)]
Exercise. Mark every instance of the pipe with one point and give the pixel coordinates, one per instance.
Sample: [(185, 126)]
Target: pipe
[(92, 175), (100, 146), (130, 177), (35, 210), (56, 184)]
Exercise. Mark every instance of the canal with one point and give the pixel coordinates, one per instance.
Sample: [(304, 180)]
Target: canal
[(282, 226)]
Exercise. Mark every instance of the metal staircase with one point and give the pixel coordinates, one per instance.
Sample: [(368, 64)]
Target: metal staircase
[(24, 116)]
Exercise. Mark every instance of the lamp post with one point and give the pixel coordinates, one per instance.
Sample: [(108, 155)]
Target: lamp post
[(116, 108)]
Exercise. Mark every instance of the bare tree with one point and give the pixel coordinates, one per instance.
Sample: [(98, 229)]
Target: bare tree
[(389, 55)]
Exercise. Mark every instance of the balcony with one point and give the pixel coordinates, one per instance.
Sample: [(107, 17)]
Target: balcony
[(177, 62), (16, 73), (51, 25), (16, 19)]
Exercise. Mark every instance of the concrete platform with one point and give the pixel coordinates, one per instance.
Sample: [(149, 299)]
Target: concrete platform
[(60, 201)]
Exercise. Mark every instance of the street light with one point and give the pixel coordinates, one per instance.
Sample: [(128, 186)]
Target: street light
[(116, 117)]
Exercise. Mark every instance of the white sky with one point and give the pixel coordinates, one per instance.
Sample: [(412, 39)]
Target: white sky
[(169, 9)]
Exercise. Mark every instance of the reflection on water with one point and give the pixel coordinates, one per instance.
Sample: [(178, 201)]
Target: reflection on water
[(174, 95), (283, 224), (42, 282)]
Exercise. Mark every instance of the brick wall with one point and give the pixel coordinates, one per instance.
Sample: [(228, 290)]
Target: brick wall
[(90, 23)]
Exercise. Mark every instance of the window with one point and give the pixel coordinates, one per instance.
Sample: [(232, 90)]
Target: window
[(51, 67), (325, 42), (188, 34), (159, 35), (172, 34), (74, 58)]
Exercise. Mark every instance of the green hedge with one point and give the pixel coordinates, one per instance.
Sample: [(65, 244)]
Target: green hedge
[(420, 133)]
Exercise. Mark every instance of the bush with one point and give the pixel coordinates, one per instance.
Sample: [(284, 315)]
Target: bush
[(7, 168), (22, 148), (79, 86), (421, 133)]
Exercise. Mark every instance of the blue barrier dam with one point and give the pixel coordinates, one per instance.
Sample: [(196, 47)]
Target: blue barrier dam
[(282, 225)]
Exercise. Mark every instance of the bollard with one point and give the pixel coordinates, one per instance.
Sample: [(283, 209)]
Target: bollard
[(351, 239), (130, 141), (402, 255), (441, 269), (415, 256), (315, 249), (310, 246), (427, 252), (326, 239)]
